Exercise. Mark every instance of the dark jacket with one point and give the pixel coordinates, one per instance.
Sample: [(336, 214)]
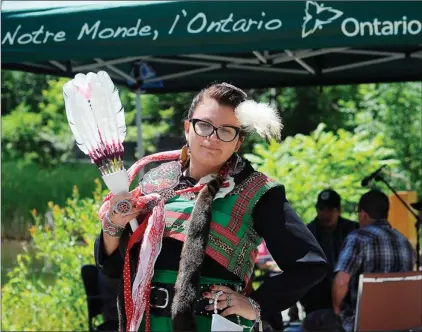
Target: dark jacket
[(332, 247), (319, 297)]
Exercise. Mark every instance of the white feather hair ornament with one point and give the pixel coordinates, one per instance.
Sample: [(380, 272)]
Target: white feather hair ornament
[(97, 120), (259, 117)]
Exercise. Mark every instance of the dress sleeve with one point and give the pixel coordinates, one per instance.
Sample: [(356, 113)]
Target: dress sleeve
[(294, 249), (112, 265)]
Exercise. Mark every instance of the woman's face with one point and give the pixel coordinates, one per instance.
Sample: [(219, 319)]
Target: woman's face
[(211, 151)]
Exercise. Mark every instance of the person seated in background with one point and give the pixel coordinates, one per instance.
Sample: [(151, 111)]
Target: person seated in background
[(108, 289), (330, 229), (269, 268), (418, 207), (265, 262), (374, 248)]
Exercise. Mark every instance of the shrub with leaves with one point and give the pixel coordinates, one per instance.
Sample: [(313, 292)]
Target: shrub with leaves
[(27, 186), (53, 299), (308, 164)]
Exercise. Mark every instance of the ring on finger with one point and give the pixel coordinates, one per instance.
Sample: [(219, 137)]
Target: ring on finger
[(229, 299), (112, 213), (123, 207)]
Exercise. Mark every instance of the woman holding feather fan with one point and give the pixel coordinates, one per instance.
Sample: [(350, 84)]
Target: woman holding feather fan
[(202, 215)]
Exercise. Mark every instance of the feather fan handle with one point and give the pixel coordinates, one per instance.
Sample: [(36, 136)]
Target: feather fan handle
[(261, 118), (96, 118)]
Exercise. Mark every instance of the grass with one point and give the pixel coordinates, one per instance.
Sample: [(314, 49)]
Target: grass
[(27, 187), (9, 252)]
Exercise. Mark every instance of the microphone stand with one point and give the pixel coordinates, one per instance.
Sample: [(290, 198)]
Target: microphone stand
[(418, 222)]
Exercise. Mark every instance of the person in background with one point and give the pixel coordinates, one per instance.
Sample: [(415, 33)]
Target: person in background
[(330, 229), (269, 268), (265, 262), (374, 248), (108, 288), (418, 206)]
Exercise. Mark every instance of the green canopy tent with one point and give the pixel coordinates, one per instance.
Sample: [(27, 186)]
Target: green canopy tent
[(170, 46), (185, 45)]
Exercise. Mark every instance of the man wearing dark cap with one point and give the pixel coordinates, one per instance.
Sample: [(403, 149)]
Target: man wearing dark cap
[(330, 229)]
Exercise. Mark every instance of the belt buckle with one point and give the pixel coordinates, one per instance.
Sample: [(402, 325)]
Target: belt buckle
[(166, 302)]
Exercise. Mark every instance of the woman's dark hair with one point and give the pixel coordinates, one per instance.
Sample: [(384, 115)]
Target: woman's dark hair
[(375, 203), (224, 93)]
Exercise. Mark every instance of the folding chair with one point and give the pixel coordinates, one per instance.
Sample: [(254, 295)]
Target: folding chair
[(389, 302)]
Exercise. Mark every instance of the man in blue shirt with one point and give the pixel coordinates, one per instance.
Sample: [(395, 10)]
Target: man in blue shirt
[(374, 248)]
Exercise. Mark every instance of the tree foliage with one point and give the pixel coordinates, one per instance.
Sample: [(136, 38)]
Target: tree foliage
[(396, 111), (324, 159), (39, 134), (22, 88)]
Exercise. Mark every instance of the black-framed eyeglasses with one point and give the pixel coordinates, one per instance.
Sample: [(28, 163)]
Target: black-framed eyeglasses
[(205, 129)]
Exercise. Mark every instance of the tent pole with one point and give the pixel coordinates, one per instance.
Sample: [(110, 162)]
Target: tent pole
[(139, 146)]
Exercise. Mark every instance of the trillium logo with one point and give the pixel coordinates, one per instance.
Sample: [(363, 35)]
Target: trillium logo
[(316, 16)]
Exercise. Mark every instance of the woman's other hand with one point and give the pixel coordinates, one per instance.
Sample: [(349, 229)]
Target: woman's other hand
[(231, 302)]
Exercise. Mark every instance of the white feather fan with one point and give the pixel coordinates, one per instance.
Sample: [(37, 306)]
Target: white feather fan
[(96, 118)]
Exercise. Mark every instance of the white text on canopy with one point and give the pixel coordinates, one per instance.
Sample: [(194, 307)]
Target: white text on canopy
[(196, 23)]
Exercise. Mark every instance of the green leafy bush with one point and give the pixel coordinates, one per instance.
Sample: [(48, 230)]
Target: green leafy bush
[(27, 186), (308, 164), (54, 298)]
